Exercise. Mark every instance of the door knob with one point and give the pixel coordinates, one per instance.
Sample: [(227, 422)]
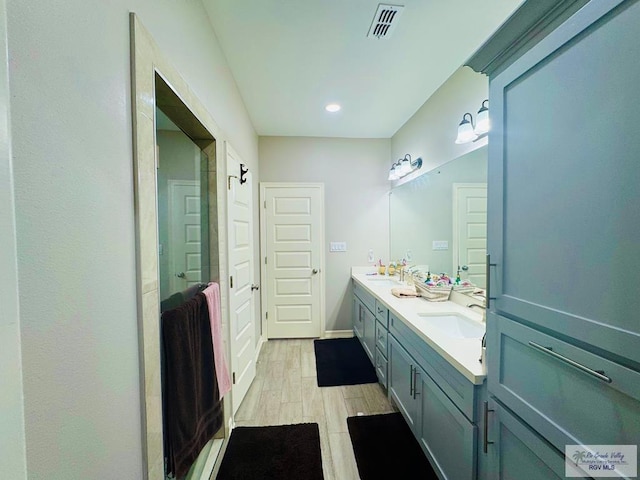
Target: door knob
[(255, 287), (464, 268), (314, 271), (181, 275)]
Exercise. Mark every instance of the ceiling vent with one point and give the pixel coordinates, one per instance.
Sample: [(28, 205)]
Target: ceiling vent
[(385, 20)]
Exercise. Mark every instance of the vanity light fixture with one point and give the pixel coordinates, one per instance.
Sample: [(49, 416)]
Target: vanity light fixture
[(404, 167), (482, 120), (466, 130), (333, 108)]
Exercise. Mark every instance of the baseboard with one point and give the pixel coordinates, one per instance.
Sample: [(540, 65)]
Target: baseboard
[(261, 342), (338, 334)]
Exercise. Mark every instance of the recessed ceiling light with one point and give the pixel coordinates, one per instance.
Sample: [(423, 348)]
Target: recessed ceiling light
[(332, 107)]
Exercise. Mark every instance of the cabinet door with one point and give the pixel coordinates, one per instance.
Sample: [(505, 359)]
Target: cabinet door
[(563, 199), (445, 433), (369, 333), (358, 325), (400, 381), (516, 452)]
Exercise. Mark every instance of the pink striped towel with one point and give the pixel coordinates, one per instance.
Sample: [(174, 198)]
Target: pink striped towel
[(212, 292)]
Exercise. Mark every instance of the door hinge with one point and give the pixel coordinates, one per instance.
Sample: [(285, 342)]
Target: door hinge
[(265, 260), (234, 378), (266, 315), (265, 204), (231, 281)]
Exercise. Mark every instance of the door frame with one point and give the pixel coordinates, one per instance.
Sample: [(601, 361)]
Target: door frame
[(263, 252)]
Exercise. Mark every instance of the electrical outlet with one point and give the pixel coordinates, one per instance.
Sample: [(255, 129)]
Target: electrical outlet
[(338, 247), (370, 257), (440, 245), (409, 256)]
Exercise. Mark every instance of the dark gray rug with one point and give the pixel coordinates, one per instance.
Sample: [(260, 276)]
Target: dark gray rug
[(342, 361), (281, 452), (385, 448)]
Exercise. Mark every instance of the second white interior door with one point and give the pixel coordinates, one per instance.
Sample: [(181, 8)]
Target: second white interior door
[(293, 238), (242, 324)]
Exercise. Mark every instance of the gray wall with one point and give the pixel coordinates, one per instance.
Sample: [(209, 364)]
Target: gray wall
[(71, 126), (430, 133), (354, 172), (12, 458)]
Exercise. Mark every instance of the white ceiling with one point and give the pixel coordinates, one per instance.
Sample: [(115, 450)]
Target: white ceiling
[(292, 57)]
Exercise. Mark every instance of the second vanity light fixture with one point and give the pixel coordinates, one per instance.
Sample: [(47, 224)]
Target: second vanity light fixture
[(466, 130), (404, 167)]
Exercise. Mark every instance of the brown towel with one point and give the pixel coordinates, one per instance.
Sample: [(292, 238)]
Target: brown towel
[(191, 406), (404, 292)]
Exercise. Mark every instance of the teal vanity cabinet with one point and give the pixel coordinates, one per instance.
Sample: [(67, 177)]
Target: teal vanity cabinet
[(364, 320), (438, 402), (382, 336), (563, 336)]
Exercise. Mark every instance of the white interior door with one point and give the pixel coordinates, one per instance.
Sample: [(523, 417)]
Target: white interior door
[(470, 230), (241, 262), (293, 236), (184, 234)]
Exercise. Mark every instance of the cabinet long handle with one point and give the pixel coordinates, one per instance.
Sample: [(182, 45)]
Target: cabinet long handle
[(486, 441), (415, 382), (599, 374), (411, 380), (488, 281)]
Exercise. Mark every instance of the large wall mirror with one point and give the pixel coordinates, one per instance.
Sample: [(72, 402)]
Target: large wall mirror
[(180, 242), (439, 219)]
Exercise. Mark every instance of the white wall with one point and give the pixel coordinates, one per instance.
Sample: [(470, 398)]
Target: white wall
[(71, 125), (12, 446), (431, 131), (354, 172)]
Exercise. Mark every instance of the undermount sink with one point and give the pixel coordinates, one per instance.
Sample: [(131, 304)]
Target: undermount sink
[(384, 281), (453, 324)]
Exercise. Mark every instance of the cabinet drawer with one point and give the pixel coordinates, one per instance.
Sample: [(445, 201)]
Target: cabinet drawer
[(460, 390), (358, 323), (381, 368), (567, 394), (381, 338), (382, 314), (365, 297)]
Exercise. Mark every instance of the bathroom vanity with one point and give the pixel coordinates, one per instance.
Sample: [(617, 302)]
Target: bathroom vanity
[(427, 356)]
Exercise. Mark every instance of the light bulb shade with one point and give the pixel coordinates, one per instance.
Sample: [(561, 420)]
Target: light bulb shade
[(405, 166), (392, 173), (465, 130), (482, 120)]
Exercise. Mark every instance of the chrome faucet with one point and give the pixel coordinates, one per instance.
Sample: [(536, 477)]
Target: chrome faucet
[(471, 305)]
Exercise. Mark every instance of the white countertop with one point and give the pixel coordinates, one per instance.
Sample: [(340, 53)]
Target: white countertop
[(462, 353)]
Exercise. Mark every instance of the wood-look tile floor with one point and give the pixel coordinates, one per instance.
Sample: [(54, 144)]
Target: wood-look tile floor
[(286, 391)]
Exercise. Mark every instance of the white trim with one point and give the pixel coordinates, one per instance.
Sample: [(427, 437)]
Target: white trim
[(263, 250), (338, 334)]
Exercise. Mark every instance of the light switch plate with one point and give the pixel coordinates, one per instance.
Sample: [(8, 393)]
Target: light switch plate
[(338, 247), (440, 245)]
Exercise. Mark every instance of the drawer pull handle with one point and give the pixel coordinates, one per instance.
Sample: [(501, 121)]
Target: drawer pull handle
[(486, 427), (411, 382), (599, 374), (487, 289)]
